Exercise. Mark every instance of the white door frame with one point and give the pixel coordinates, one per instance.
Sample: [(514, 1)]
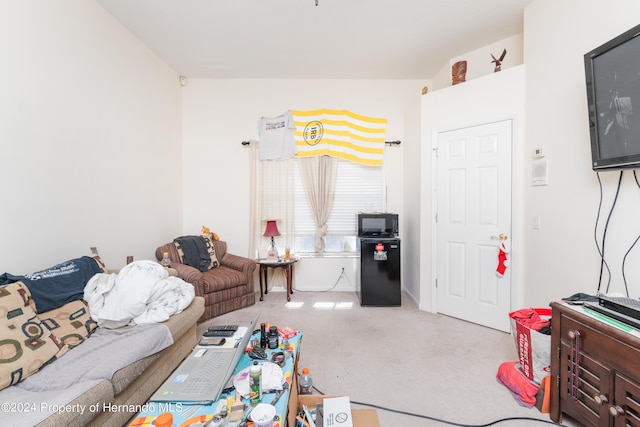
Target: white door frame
[(516, 221)]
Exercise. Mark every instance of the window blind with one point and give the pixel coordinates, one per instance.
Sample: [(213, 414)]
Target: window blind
[(358, 188)]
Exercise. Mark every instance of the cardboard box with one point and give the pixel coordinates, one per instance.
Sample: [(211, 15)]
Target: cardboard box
[(361, 417)]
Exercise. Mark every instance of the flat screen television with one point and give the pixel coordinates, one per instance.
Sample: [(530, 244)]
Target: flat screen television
[(613, 93)]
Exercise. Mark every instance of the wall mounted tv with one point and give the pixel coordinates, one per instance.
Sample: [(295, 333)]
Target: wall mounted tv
[(613, 87)]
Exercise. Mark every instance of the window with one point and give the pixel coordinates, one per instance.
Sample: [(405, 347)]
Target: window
[(277, 192), (358, 188)]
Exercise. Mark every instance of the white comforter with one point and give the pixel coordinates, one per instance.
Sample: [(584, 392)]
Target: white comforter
[(142, 292)]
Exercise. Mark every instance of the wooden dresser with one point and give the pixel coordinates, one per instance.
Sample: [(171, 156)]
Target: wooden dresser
[(595, 370)]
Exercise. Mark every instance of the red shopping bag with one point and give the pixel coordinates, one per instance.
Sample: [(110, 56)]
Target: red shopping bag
[(534, 348)]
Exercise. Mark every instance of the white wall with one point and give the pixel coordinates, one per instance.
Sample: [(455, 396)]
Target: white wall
[(219, 114), (561, 257), (479, 61), (89, 138), (411, 245)]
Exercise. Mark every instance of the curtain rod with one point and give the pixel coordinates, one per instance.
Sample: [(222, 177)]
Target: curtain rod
[(396, 142)]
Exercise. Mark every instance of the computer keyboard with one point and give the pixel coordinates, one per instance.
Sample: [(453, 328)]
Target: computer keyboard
[(210, 373)]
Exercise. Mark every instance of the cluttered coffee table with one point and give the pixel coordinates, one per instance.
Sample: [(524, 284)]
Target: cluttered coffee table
[(234, 407)]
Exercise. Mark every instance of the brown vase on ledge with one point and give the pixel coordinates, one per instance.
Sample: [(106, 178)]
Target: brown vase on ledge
[(459, 72)]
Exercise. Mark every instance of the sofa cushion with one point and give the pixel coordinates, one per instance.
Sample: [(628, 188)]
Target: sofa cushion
[(26, 344), (93, 400), (122, 378), (221, 249), (178, 325), (222, 278)]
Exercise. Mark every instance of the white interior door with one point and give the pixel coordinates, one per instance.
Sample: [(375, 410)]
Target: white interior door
[(473, 208)]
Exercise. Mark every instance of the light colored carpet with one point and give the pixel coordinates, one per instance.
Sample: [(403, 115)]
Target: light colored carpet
[(397, 357)]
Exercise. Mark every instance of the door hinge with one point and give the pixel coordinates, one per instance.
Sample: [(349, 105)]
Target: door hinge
[(436, 283), (435, 152)]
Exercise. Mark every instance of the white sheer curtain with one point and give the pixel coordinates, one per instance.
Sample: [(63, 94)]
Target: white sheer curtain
[(319, 179), (272, 198)]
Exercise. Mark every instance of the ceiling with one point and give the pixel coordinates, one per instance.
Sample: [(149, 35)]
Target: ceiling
[(295, 39)]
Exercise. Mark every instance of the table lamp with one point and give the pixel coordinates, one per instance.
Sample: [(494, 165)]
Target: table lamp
[(272, 231)]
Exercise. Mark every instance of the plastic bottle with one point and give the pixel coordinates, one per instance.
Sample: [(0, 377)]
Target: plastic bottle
[(306, 383), (255, 383), (165, 261), (272, 338)]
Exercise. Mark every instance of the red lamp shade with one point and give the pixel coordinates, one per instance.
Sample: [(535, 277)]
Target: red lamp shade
[(272, 229)]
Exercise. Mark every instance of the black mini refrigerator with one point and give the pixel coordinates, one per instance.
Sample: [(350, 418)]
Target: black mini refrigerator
[(378, 281)]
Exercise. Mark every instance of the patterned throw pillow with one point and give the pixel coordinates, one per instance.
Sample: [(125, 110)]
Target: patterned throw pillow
[(26, 344), (179, 251), (208, 241), (72, 323)]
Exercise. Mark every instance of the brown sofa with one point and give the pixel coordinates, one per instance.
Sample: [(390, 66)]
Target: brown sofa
[(69, 371), (225, 288)]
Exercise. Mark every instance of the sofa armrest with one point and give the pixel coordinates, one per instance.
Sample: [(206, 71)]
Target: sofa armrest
[(189, 274), (246, 265)]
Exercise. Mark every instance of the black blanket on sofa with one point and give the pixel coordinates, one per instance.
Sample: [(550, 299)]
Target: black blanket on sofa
[(57, 285), (194, 252)]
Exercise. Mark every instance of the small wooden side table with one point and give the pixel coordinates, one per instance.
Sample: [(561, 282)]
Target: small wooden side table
[(265, 265)]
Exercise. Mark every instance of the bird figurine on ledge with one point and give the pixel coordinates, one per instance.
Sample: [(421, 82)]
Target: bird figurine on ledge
[(498, 62)]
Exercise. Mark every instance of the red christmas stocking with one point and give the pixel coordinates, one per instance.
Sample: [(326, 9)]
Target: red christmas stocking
[(503, 261)]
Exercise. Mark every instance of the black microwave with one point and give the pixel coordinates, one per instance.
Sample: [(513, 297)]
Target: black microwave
[(377, 225)]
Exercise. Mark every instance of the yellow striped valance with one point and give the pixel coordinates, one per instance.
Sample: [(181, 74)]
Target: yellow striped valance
[(341, 134)]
